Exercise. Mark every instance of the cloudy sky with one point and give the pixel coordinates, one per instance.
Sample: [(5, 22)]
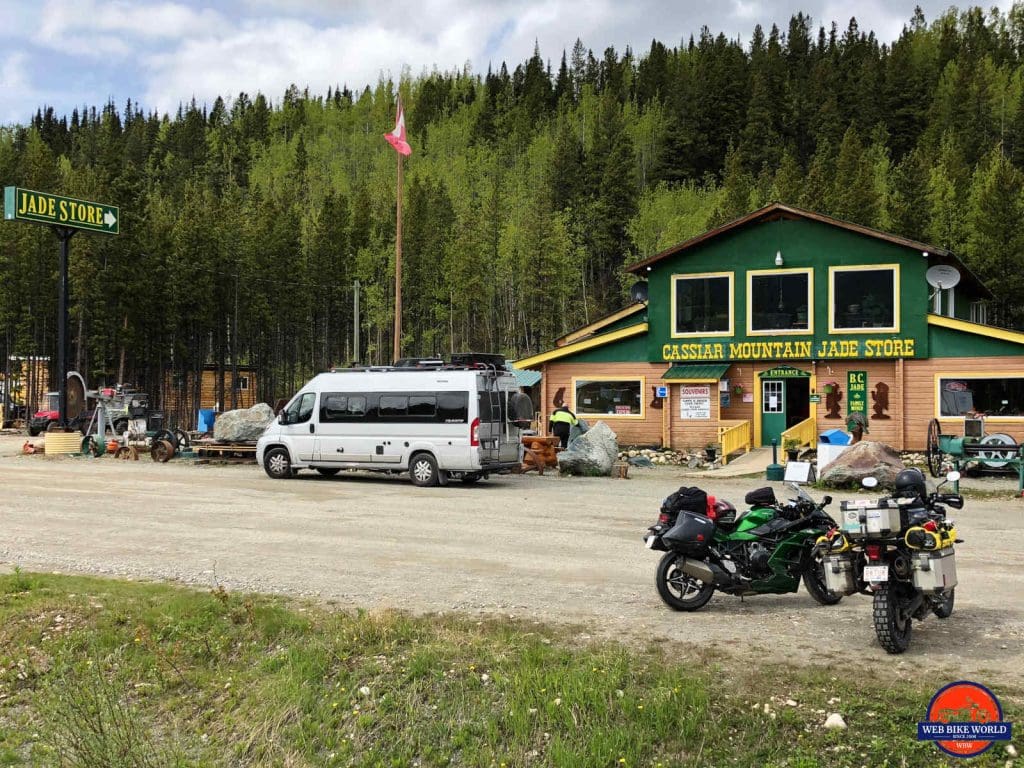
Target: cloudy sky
[(160, 53)]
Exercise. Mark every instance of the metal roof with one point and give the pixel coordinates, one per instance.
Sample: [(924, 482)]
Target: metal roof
[(697, 371), (526, 378)]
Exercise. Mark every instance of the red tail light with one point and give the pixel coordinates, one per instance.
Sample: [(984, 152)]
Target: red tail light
[(663, 517), (874, 551), (712, 513), (474, 432)]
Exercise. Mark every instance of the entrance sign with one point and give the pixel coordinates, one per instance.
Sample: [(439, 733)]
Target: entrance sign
[(695, 401), (44, 208), (857, 392), (784, 372)]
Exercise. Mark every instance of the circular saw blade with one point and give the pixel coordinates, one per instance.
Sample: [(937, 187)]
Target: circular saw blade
[(75, 394)]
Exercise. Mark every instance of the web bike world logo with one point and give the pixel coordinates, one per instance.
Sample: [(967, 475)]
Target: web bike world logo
[(964, 719)]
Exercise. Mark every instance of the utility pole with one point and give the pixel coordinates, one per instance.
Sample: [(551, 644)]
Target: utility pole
[(355, 322)]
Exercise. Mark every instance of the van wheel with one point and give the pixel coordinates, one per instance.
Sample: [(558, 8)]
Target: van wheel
[(278, 464), (328, 471), (423, 470)]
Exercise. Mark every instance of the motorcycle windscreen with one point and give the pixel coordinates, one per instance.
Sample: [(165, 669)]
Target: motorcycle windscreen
[(691, 535)]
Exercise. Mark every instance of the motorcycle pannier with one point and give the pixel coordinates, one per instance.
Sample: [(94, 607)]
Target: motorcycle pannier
[(934, 571), (686, 499), (691, 535), (839, 576)]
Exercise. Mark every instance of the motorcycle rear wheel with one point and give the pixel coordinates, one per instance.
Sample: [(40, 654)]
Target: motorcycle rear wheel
[(893, 625), (814, 581), (678, 590), (945, 608)]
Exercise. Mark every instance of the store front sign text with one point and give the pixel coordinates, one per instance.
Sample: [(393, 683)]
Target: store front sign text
[(789, 350)]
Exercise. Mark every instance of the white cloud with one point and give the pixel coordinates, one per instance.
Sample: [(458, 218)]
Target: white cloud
[(117, 27)]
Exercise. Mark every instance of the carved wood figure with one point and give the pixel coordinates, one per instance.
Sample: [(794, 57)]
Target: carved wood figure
[(559, 400), (832, 401), (656, 402), (881, 401)]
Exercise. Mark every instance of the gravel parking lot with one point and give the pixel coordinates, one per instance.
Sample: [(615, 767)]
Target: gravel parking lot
[(550, 548)]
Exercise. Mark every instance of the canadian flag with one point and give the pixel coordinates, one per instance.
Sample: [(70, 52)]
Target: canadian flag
[(397, 137)]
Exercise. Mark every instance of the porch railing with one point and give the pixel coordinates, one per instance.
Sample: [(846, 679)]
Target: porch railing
[(734, 435), (805, 433)]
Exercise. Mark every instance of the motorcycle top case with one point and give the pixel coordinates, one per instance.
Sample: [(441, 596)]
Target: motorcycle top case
[(861, 519), (691, 535)]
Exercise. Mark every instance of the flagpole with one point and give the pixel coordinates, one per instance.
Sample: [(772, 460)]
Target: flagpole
[(398, 267)]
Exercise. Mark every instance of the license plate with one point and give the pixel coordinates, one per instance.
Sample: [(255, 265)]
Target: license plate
[(876, 573), (649, 541)]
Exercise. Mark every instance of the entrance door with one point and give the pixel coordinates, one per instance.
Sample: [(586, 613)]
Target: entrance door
[(784, 404)]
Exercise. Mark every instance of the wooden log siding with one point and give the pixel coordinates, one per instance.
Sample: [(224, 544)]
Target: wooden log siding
[(920, 395), (178, 400), (629, 430)]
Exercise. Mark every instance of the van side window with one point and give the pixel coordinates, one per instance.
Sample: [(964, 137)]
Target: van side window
[(301, 408), (393, 405), (422, 405), (452, 407), (337, 406)]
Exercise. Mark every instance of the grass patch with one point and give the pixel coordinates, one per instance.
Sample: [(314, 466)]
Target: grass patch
[(107, 673)]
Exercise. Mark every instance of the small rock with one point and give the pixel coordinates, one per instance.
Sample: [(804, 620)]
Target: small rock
[(365, 690), (790, 703), (1011, 750), (835, 722)]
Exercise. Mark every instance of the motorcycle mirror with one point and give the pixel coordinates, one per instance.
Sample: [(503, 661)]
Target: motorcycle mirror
[(952, 477), (869, 482), (826, 501)]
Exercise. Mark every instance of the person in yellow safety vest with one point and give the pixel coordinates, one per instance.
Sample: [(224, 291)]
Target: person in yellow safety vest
[(561, 423)]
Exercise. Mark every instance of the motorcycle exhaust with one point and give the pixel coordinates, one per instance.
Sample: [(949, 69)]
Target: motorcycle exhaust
[(698, 569)]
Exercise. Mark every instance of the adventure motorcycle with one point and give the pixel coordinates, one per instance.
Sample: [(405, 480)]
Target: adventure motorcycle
[(899, 550), (766, 549)]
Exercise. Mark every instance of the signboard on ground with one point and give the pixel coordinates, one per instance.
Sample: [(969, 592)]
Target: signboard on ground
[(44, 208)]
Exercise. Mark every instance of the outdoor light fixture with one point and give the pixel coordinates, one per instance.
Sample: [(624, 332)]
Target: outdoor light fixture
[(778, 259)]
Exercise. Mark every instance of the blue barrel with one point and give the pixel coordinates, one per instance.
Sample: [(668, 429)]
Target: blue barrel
[(206, 418)]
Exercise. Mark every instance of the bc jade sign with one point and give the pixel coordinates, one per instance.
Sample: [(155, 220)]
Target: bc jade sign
[(44, 208)]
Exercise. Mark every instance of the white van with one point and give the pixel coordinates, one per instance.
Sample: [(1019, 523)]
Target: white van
[(461, 421)]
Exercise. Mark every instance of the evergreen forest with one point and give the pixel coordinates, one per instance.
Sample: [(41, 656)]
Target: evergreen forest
[(246, 223)]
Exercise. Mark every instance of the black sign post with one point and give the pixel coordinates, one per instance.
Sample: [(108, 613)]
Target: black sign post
[(65, 215)]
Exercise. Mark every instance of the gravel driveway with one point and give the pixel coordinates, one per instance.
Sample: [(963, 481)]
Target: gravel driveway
[(550, 548)]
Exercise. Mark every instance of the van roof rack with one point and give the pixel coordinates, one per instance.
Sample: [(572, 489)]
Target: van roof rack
[(460, 361)]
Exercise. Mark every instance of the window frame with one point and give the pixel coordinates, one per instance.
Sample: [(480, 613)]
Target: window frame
[(968, 376), (751, 274), (624, 416), (730, 331), (833, 270)]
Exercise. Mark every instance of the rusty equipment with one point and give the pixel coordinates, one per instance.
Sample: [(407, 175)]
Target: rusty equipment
[(991, 451)]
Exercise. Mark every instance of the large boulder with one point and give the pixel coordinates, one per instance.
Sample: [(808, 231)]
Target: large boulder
[(592, 453), (243, 425), (861, 460)]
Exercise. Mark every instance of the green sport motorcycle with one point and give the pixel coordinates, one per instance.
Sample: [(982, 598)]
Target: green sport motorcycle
[(765, 550)]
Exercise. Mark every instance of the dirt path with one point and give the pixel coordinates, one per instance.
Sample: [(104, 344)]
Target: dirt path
[(558, 549)]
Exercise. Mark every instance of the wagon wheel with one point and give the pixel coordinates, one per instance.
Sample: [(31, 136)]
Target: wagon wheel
[(182, 437), (162, 450), (933, 454)]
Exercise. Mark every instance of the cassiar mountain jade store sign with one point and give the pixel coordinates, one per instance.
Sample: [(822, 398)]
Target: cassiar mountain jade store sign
[(789, 350), (43, 208)]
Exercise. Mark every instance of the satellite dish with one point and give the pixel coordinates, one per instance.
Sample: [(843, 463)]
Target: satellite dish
[(638, 291), (942, 276)]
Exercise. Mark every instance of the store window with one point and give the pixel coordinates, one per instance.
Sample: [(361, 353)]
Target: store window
[(779, 301), (1002, 396), (609, 398), (865, 298), (702, 304)]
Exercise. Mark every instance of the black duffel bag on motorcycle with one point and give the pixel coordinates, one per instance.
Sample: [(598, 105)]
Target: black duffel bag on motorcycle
[(686, 500)]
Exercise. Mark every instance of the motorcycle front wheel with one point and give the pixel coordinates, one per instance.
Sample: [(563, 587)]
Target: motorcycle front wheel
[(893, 625), (814, 581), (678, 590)]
